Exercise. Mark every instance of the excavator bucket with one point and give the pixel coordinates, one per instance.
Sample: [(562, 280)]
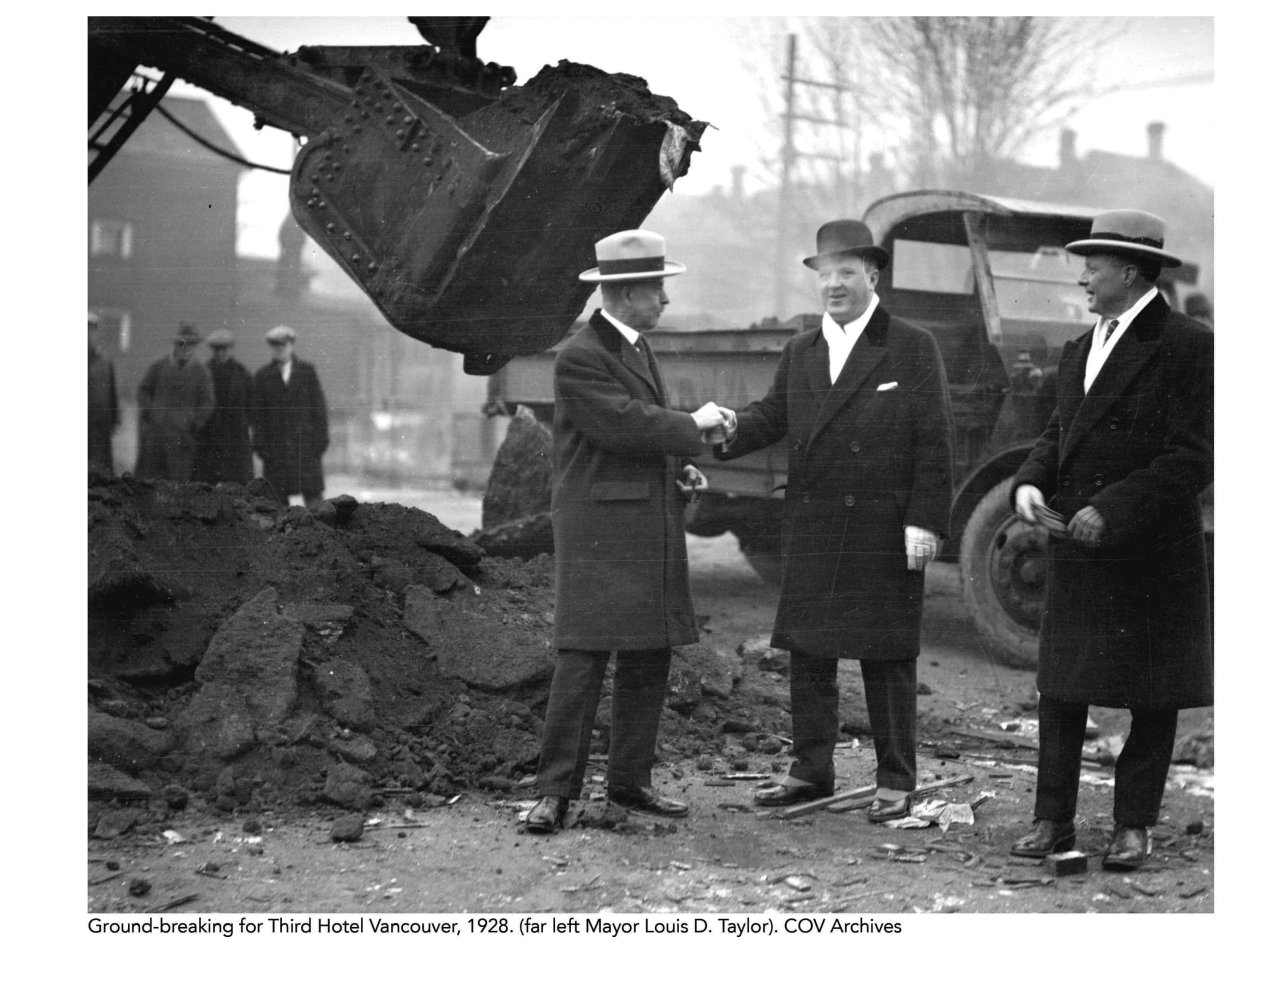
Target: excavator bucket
[(469, 233)]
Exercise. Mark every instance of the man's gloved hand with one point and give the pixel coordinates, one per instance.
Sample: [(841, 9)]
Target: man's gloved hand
[(690, 482), (1087, 526), (1025, 499), (708, 417), (922, 546)]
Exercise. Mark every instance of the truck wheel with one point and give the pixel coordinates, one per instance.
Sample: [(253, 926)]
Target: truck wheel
[(1003, 570)]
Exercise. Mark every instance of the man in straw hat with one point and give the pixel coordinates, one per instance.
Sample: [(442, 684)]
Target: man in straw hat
[(175, 399), (226, 453), (1115, 479), (621, 479), (863, 406)]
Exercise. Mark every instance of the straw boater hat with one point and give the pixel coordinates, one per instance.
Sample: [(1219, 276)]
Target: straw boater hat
[(221, 337), (187, 333), (847, 237), (631, 256), (280, 334), (1128, 232)]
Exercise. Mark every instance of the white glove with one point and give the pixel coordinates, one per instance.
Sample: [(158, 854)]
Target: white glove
[(708, 417), (922, 546), (1025, 499)]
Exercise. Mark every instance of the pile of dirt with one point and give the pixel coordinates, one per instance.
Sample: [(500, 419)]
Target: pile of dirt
[(245, 655)]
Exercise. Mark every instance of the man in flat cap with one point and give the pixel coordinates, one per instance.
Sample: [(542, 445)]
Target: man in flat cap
[(863, 405), (620, 483), (1116, 478), (104, 408), (290, 421), (175, 399), (226, 453)]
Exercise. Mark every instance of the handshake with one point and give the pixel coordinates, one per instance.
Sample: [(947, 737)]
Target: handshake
[(716, 423)]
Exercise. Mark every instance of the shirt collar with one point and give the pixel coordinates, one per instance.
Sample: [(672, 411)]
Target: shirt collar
[(631, 336), (852, 328), (1126, 317)]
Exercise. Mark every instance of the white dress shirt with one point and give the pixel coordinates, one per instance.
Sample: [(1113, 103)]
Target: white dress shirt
[(840, 339), (1102, 345), (286, 369)]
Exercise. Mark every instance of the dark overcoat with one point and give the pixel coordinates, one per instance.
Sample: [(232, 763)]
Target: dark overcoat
[(622, 572), (290, 427), (1127, 624), (225, 451), (867, 456), (174, 401)]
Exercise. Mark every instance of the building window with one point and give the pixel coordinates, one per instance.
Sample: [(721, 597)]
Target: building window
[(117, 325), (111, 238)]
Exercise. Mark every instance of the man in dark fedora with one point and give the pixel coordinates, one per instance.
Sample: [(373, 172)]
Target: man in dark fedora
[(620, 483), (863, 406), (226, 453), (175, 399), (1116, 478)]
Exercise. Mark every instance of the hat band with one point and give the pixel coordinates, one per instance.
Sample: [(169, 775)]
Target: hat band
[(1141, 241), (631, 266)]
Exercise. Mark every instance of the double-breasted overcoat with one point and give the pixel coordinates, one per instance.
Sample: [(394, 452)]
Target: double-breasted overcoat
[(622, 572), (1127, 624), (867, 456), (174, 401), (290, 427)]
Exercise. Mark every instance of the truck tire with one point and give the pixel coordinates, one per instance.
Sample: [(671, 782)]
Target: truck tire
[(1003, 566)]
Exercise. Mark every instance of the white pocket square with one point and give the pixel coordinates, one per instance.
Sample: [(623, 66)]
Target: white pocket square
[(887, 386)]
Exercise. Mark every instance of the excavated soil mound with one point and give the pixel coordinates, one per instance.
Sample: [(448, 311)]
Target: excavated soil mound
[(243, 654)]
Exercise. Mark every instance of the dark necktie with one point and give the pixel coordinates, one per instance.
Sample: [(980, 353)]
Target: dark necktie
[(1111, 328)]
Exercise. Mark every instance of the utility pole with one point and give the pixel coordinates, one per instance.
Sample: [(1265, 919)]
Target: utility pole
[(782, 240), (785, 225)]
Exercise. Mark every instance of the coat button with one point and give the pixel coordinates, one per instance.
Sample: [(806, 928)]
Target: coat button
[(1114, 424), (848, 500), (796, 445), (1066, 481), (1097, 480), (855, 446), (805, 499)]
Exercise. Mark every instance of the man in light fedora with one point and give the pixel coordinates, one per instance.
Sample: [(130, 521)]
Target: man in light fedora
[(862, 403), (1116, 478), (620, 481), (175, 399)]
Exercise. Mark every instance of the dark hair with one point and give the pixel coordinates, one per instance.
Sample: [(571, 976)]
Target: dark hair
[(1148, 268)]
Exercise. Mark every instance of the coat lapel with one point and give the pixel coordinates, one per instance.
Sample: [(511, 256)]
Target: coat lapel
[(628, 355), (1134, 351), (868, 352)]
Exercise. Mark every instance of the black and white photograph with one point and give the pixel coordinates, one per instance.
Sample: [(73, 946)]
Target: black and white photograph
[(560, 479)]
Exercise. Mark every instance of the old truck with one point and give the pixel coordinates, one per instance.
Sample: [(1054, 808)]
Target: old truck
[(424, 170), (990, 278)]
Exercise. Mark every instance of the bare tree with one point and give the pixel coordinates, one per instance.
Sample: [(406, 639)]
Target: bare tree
[(977, 89)]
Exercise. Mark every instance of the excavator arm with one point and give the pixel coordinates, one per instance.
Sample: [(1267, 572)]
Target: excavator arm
[(464, 206)]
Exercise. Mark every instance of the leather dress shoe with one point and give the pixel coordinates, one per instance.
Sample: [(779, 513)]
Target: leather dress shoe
[(785, 794), (888, 810), (547, 815), (649, 801), (1045, 838), (1129, 848)]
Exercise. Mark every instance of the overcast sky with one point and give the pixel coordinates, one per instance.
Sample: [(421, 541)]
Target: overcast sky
[(718, 69)]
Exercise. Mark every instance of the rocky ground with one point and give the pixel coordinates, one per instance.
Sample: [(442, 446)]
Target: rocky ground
[(339, 712)]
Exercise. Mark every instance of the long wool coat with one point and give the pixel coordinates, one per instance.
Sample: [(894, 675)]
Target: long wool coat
[(225, 452), (622, 573), (290, 427), (174, 401), (1127, 624), (867, 456)]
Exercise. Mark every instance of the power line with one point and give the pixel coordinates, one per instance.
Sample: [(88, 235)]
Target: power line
[(214, 148)]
